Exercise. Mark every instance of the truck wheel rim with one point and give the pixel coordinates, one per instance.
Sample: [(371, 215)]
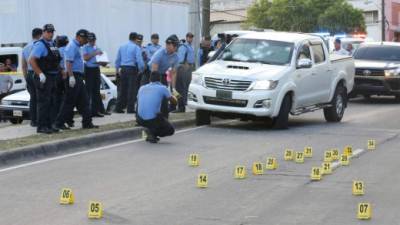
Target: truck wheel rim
[(339, 105)]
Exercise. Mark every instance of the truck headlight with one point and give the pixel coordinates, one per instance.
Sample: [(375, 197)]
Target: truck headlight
[(197, 79), (392, 72), (265, 85)]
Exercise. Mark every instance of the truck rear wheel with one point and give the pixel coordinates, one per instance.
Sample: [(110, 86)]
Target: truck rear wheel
[(335, 112), (282, 121), (203, 117)]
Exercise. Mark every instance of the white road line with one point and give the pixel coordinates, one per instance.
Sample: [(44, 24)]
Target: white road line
[(85, 152), (356, 153)]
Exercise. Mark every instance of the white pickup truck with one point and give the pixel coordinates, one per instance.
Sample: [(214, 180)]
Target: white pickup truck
[(270, 75)]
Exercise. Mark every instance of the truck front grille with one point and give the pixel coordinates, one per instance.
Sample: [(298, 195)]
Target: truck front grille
[(225, 102), (226, 84), (369, 72)]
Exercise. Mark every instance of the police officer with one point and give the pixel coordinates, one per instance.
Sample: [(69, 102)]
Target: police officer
[(92, 76), (142, 74), (184, 73), (45, 59), (204, 50), (129, 64), (163, 61), (75, 94), (152, 47), (29, 75)]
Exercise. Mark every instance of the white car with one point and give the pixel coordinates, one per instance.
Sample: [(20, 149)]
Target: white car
[(271, 75), (15, 107)]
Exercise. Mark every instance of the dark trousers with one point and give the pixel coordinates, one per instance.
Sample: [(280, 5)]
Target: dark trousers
[(145, 79), (46, 102), (159, 127), (59, 95), (183, 79), (75, 97), (93, 82), (164, 103), (30, 86), (128, 87)]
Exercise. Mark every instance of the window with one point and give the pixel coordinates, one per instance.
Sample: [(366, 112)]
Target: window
[(318, 52), (304, 52), (371, 17)]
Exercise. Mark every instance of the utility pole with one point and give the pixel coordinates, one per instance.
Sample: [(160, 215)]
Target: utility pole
[(206, 18), (383, 21), (195, 27)]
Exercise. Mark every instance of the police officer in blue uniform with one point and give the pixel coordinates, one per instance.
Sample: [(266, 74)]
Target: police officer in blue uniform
[(185, 69), (45, 59), (30, 75), (129, 63), (75, 94), (166, 59), (150, 49)]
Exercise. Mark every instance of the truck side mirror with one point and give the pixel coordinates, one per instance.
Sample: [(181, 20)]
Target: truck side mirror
[(304, 63)]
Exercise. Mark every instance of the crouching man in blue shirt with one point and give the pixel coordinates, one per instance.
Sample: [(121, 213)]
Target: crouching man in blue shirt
[(150, 97)]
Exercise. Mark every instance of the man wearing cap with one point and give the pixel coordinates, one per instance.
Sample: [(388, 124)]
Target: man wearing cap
[(184, 73), (152, 47), (129, 64), (338, 48), (29, 75), (75, 94), (139, 42), (92, 76), (45, 59), (166, 59)]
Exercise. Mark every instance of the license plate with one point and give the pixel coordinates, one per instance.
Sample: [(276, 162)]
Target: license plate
[(17, 113), (224, 94)]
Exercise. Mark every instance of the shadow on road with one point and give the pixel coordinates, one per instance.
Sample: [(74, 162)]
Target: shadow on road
[(376, 100)]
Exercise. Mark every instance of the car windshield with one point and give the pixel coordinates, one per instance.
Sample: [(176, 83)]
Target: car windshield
[(380, 53), (258, 51)]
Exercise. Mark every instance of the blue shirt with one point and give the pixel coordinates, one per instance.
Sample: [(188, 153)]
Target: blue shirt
[(62, 61), (26, 53), (151, 49), (39, 50), (164, 60), (150, 97), (88, 50), (73, 55), (186, 50), (129, 54)]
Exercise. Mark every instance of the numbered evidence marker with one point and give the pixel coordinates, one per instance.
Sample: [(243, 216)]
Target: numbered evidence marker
[(316, 173), (328, 156), (371, 145), (335, 154), (348, 150), (358, 187), (258, 168), (308, 152), (67, 197), (240, 172), (194, 160), (202, 180), (95, 210), (299, 157), (364, 211), (271, 163), (289, 155), (344, 160), (326, 168)]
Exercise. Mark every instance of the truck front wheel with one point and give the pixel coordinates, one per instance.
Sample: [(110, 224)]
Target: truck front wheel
[(335, 112), (282, 120), (203, 117)]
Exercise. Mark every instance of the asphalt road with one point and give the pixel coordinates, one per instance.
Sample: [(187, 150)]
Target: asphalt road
[(146, 184)]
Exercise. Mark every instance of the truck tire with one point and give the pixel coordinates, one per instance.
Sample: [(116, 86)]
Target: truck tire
[(282, 120), (335, 112), (16, 120), (203, 117)]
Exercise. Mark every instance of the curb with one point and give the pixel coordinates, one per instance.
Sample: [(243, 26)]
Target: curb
[(38, 151)]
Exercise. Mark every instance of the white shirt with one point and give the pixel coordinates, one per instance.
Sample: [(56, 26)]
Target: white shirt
[(341, 52)]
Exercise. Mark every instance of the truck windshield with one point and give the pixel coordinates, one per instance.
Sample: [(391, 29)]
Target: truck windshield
[(379, 53), (258, 51)]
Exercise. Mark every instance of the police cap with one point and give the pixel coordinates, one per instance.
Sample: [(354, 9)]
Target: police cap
[(132, 36), (189, 34), (173, 39), (82, 33), (91, 36), (139, 37), (61, 41), (155, 36), (48, 27)]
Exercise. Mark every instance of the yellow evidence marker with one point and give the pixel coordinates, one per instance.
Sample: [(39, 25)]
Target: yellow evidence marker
[(328, 156), (364, 211), (326, 168), (289, 154), (202, 180), (194, 160), (335, 154), (240, 172), (358, 187), (344, 160), (308, 152), (67, 197), (299, 158), (371, 145), (271, 164), (316, 173), (258, 168), (95, 210), (348, 150)]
